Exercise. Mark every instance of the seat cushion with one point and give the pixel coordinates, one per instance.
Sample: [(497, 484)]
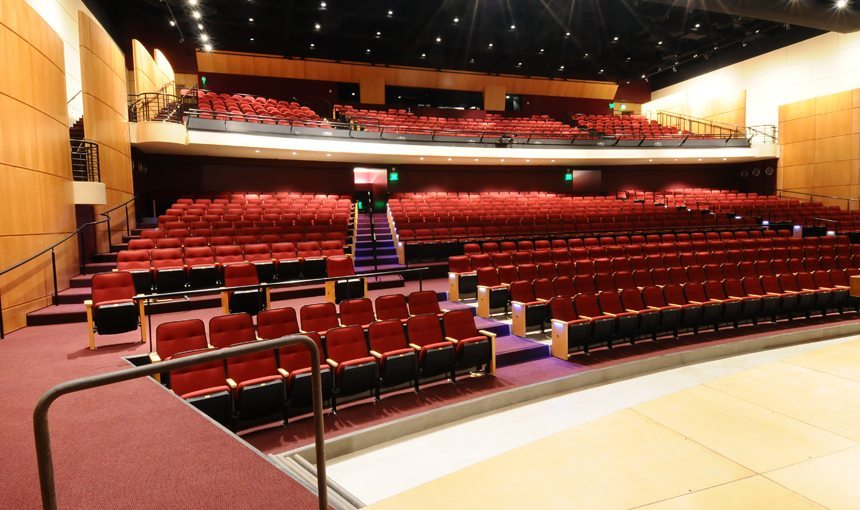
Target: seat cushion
[(258, 380), (471, 340), (206, 391), (430, 347), (354, 363), (393, 354)]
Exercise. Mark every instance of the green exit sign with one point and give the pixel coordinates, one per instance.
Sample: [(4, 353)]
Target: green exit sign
[(568, 176), (393, 176)]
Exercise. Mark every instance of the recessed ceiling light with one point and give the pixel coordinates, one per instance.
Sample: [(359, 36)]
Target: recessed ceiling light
[(257, 150), (423, 55), (476, 159), (192, 2), (561, 68), (353, 94), (367, 51), (456, 19), (312, 45), (200, 26), (207, 47), (540, 50), (390, 13), (204, 37), (697, 25), (378, 34), (196, 14), (552, 161), (328, 155), (643, 76), (471, 61), (252, 39), (294, 153), (507, 97), (438, 39), (502, 160), (172, 23), (615, 38), (449, 159), (660, 43), (490, 45), (421, 158), (513, 27), (519, 64), (528, 161), (650, 160), (317, 26), (601, 71), (586, 55), (841, 4), (567, 34), (323, 5)]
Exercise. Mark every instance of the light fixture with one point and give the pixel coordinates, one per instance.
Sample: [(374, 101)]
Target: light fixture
[(390, 13), (257, 150), (567, 34), (502, 160), (615, 39), (841, 4), (697, 25), (353, 94), (294, 152), (207, 47), (449, 159), (312, 46), (323, 5), (659, 43), (252, 39), (601, 71), (643, 76), (192, 2), (476, 159), (367, 51), (200, 26), (378, 34), (250, 20), (421, 158), (196, 14), (513, 27), (456, 19), (519, 64), (204, 37), (490, 45), (528, 161), (317, 26), (172, 23), (438, 39), (561, 68), (507, 97), (423, 55), (328, 155), (540, 51), (585, 56)]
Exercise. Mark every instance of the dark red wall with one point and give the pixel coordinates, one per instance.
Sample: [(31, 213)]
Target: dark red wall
[(722, 176), (453, 178), (168, 177), (635, 92), (562, 108)]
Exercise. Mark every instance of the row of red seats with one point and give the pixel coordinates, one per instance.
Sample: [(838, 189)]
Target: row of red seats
[(251, 235), (588, 319), (168, 269), (244, 107), (389, 353)]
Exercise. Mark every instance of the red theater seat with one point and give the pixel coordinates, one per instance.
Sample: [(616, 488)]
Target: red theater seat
[(355, 370), (398, 363)]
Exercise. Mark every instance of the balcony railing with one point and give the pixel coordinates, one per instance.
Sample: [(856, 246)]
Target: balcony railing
[(155, 107), (85, 161)]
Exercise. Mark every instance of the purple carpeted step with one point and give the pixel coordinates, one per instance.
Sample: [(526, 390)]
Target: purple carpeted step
[(454, 305), (99, 267), (61, 314), (81, 281), (381, 267), (380, 250), (512, 350), (75, 295), (493, 326)]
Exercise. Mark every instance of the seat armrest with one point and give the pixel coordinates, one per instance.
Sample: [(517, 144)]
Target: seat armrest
[(674, 304), (696, 302), (586, 317), (415, 346), (283, 373), (736, 297), (754, 295), (519, 303), (154, 357), (716, 300), (653, 307), (232, 384), (452, 340), (88, 303), (542, 300), (813, 290), (375, 354), (610, 314), (444, 310), (486, 333), (773, 294), (331, 362), (632, 310)]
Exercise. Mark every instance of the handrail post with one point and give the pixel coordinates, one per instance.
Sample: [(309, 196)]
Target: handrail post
[(127, 224), (2, 332), (110, 240), (56, 298)]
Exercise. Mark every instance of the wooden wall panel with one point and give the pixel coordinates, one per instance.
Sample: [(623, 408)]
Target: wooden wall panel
[(36, 206), (106, 118), (270, 65), (820, 139), (494, 98)]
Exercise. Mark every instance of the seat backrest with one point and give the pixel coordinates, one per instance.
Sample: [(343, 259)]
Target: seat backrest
[(488, 276), (521, 290), (297, 357), (543, 288), (197, 377), (257, 252), (391, 306), (714, 289), (179, 336), (674, 294), (112, 287), (527, 272), (632, 299), (318, 317), (199, 255), (227, 330), (424, 330), (788, 282), (610, 301), (386, 335), (240, 274), (346, 343), (277, 322), (459, 324), (356, 312), (564, 286), (141, 244), (340, 266), (132, 259), (282, 251), (733, 287), (228, 254), (561, 308), (423, 302), (459, 264), (695, 291), (653, 296), (586, 305), (166, 257)]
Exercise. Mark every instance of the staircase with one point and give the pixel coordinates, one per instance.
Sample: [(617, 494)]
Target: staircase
[(76, 132), (378, 238)]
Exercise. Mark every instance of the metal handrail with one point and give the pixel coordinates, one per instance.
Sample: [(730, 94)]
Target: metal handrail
[(107, 216), (56, 295), (85, 160), (42, 433), (766, 131), (147, 106), (479, 136)]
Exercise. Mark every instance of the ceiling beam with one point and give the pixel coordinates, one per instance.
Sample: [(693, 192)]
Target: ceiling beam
[(805, 13)]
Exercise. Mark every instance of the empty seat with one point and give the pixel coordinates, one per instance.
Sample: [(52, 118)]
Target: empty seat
[(626, 323), (649, 319), (670, 315), (201, 267), (357, 312), (435, 355), (492, 294), (250, 301), (391, 306), (355, 370), (398, 363), (424, 302), (287, 261), (178, 336), (473, 348), (112, 309), (168, 269), (138, 264), (526, 310), (261, 257), (569, 330), (348, 285), (204, 386), (319, 317), (691, 313), (602, 325)]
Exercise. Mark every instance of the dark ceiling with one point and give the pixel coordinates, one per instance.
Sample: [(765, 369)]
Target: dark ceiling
[(615, 40)]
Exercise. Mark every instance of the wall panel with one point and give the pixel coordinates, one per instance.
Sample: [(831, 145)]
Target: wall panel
[(106, 119), (36, 206)]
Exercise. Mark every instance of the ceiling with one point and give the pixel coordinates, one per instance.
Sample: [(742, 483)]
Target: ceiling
[(614, 40)]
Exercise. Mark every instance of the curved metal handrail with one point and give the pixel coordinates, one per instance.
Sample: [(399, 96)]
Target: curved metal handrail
[(107, 217), (40, 413)]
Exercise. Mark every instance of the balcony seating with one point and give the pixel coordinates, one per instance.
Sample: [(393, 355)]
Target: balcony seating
[(398, 363), (250, 301), (355, 370), (255, 110), (435, 355), (112, 309), (474, 349)]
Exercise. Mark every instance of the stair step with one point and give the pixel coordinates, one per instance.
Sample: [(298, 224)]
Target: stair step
[(105, 257), (99, 267), (386, 259), (81, 281), (381, 267), (512, 350), (119, 247), (60, 314), (380, 251), (75, 295)]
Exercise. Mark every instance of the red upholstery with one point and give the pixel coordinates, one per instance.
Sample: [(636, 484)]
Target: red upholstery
[(356, 312), (179, 336), (346, 346), (112, 287), (423, 302), (227, 330), (339, 266), (237, 275), (319, 317), (392, 306)]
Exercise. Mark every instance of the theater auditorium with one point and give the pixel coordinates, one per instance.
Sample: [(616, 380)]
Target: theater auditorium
[(532, 254)]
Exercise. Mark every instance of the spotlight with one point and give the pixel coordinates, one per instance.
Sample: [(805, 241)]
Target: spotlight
[(323, 6), (841, 4), (390, 13), (317, 26), (438, 39), (207, 47), (196, 14), (172, 23)]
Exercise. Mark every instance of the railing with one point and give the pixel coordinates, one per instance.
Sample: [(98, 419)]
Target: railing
[(85, 161), (40, 413), (812, 197), (155, 107), (107, 216), (55, 298), (697, 125), (500, 139)]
